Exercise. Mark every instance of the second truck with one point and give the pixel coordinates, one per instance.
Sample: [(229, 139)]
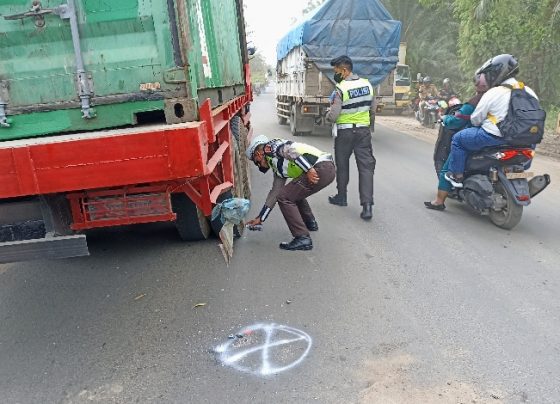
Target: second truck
[(361, 29)]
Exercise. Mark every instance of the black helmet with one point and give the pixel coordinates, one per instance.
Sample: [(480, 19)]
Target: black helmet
[(427, 80), (499, 68)]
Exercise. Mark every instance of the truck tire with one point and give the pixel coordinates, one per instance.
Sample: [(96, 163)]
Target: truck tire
[(240, 163), (191, 223), (293, 120), (282, 120)]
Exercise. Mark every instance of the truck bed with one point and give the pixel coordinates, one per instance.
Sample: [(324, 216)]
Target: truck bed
[(102, 159)]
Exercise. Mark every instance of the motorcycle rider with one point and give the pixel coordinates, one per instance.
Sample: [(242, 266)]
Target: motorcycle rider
[(447, 91), (427, 90), (490, 111)]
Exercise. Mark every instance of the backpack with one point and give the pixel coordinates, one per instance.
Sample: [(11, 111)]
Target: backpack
[(524, 122)]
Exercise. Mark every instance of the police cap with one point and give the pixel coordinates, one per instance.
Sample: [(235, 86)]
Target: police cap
[(343, 61)]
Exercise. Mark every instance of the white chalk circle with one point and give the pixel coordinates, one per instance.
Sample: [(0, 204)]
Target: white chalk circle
[(265, 349)]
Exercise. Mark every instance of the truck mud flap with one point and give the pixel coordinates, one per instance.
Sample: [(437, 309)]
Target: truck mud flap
[(44, 248)]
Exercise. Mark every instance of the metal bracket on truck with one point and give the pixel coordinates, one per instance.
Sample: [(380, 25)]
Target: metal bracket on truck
[(65, 12)]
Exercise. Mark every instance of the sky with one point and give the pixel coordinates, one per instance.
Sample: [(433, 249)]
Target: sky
[(268, 21)]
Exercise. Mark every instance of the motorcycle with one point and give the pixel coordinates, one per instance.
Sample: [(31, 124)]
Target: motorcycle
[(496, 183), (428, 112)]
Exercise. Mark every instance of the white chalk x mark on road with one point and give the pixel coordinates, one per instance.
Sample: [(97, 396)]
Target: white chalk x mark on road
[(265, 349)]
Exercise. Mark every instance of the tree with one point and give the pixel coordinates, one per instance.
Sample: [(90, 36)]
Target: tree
[(259, 69)]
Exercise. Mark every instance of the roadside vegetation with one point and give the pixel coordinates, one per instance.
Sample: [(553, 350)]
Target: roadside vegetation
[(451, 38)]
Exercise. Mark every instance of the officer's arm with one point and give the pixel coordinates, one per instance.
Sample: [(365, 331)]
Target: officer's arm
[(288, 151), (272, 197), (372, 110), (336, 107)]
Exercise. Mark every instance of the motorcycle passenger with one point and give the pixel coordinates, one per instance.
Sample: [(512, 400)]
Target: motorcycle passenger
[(456, 121), (490, 111)]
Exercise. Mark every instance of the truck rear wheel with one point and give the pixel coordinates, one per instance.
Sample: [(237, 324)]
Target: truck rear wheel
[(282, 120), (295, 122), (191, 223)]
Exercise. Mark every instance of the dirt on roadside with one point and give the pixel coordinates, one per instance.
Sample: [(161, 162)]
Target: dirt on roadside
[(550, 146)]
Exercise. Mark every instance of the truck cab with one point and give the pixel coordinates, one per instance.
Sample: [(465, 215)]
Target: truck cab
[(395, 89)]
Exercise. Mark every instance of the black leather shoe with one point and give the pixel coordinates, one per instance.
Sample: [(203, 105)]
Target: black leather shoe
[(298, 243), (338, 199), (312, 225), (367, 211)]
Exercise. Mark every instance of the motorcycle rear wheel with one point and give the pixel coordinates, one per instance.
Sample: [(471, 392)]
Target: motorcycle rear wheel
[(510, 216)]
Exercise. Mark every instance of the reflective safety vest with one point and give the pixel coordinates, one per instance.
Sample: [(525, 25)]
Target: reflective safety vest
[(356, 101), (285, 168)]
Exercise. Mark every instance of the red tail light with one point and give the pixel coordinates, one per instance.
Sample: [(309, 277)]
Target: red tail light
[(523, 198), (509, 154)]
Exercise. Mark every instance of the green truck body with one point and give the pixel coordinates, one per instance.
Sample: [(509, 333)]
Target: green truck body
[(142, 60)]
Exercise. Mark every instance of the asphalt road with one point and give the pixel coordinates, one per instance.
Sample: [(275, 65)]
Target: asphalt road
[(415, 307)]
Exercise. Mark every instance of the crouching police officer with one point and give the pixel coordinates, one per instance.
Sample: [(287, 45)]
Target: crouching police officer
[(310, 170)]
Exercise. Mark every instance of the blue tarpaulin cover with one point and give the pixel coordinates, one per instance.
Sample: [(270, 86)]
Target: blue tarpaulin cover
[(361, 29)]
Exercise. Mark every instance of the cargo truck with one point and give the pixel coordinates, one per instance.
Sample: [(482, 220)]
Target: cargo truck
[(395, 89), (361, 29), (116, 113)]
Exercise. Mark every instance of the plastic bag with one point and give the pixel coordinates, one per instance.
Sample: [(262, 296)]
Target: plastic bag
[(232, 210)]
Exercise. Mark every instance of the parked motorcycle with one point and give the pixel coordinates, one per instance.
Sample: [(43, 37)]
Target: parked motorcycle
[(496, 184)]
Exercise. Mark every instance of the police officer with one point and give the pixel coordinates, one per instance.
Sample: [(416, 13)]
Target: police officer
[(310, 170), (352, 110)]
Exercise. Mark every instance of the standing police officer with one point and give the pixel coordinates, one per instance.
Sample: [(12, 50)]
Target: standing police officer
[(310, 170), (352, 110)]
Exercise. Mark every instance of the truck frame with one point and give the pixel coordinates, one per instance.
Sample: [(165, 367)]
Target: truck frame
[(174, 168)]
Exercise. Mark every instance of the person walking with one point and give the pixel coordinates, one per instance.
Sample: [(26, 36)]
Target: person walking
[(352, 111), (309, 169)]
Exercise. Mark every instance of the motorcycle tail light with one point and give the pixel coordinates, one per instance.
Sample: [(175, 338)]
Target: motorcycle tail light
[(509, 154), (523, 198), (506, 154)]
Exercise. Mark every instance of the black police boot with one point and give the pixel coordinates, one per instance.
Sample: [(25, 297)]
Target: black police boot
[(367, 211), (338, 199), (298, 243), (312, 225)]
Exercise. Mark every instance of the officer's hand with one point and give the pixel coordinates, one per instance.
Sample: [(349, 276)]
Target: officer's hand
[(312, 176), (254, 222)]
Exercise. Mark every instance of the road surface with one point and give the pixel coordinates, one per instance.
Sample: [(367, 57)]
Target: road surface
[(416, 306)]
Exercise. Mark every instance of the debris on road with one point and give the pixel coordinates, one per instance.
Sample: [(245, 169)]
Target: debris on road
[(140, 296), (199, 305)]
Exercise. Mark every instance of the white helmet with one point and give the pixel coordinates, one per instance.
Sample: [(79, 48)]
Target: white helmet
[(258, 140)]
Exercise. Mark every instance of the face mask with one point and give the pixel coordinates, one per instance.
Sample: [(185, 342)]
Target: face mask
[(338, 77)]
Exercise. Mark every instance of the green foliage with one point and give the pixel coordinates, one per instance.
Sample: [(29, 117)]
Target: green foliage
[(430, 31), (259, 69), (452, 38)]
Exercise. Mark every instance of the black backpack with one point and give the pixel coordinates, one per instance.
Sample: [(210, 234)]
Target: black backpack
[(524, 122)]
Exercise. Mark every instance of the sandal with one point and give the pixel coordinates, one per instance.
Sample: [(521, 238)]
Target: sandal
[(433, 206)]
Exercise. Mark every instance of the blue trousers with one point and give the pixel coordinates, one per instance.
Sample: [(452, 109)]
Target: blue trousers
[(466, 142), (443, 184)]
